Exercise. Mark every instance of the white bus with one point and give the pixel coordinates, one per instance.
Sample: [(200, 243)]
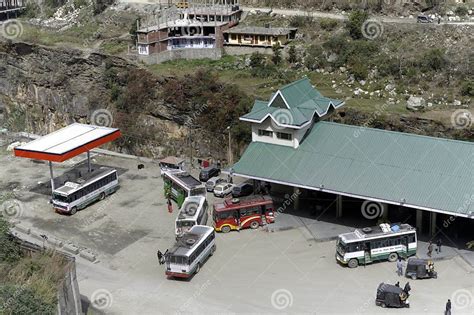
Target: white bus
[(194, 211), (180, 184), (190, 252), (83, 191), (385, 241)]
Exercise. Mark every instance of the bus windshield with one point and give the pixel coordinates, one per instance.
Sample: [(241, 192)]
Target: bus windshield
[(341, 246), (198, 191), (60, 198), (185, 223)]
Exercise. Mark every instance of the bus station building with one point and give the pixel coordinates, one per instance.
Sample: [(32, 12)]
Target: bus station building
[(294, 146)]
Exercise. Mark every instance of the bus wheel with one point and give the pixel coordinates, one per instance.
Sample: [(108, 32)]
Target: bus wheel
[(392, 257), (254, 225), (198, 267), (225, 229), (413, 277), (102, 196), (353, 263), (73, 211)]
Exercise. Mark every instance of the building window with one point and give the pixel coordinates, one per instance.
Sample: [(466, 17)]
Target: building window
[(262, 38), (284, 136), (233, 36), (265, 133)]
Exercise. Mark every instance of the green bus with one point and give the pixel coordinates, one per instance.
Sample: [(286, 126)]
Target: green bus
[(180, 184)]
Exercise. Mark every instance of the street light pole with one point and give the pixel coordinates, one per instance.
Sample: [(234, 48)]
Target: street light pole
[(230, 148)]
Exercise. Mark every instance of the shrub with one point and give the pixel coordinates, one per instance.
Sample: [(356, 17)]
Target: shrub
[(461, 11), (101, 5), (80, 3), (467, 88), (355, 22), (9, 250), (32, 9), (16, 299), (276, 58), (314, 58), (328, 24), (359, 70), (292, 55), (433, 59)]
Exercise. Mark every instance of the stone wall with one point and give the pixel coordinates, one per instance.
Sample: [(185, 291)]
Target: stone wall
[(212, 53)]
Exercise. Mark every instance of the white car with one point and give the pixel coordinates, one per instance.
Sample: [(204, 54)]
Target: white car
[(223, 189)]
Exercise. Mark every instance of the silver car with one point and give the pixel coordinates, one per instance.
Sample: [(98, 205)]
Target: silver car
[(223, 189), (213, 182)]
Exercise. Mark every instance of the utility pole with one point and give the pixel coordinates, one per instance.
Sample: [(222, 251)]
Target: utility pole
[(230, 148)]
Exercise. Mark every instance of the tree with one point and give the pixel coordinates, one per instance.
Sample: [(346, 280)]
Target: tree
[(314, 58), (256, 60), (133, 30), (276, 58), (355, 23), (292, 55)]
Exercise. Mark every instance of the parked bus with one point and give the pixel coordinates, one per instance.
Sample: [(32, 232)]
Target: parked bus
[(385, 241), (248, 212), (179, 184), (190, 252), (93, 186), (193, 212)]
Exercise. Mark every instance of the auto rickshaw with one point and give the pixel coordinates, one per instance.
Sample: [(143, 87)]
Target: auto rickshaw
[(420, 269), (391, 296)]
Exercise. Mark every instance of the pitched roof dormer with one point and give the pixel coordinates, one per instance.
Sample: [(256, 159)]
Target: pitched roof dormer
[(293, 106)]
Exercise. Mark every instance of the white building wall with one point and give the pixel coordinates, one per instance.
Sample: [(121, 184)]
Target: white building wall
[(296, 135)]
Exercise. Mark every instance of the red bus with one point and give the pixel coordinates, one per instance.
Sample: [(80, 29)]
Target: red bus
[(241, 213)]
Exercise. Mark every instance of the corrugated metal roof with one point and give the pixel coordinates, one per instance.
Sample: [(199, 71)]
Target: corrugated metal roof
[(257, 30), (425, 172), (302, 100)]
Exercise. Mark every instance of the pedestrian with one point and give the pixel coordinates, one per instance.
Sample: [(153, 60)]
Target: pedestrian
[(399, 267), (430, 249), (170, 206), (397, 284), (448, 308), (439, 243), (407, 288), (439, 19)]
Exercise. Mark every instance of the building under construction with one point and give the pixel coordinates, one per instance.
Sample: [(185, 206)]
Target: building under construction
[(195, 31)]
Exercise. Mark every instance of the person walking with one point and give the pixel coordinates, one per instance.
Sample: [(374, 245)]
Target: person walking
[(407, 288), (439, 243), (399, 267), (170, 206), (430, 249), (448, 308)]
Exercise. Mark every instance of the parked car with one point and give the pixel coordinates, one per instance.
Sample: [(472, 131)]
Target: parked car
[(213, 182), (242, 190), (208, 173), (420, 269), (391, 296), (223, 189), (423, 19)]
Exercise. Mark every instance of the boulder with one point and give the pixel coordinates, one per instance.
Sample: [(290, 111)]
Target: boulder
[(415, 102)]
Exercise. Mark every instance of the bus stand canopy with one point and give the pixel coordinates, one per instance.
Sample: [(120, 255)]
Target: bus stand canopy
[(67, 143)]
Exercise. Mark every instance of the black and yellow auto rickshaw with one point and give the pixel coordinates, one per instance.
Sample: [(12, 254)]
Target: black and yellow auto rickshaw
[(391, 296), (420, 269)]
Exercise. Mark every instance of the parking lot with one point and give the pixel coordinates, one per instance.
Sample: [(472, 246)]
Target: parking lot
[(257, 271)]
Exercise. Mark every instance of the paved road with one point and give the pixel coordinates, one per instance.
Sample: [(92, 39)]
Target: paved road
[(319, 14)]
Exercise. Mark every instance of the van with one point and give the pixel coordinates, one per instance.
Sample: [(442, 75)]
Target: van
[(208, 173), (213, 182), (241, 190)]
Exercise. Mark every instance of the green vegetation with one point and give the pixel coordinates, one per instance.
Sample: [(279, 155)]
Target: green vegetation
[(276, 58), (355, 22), (328, 24), (461, 11), (292, 54), (28, 285), (467, 88)]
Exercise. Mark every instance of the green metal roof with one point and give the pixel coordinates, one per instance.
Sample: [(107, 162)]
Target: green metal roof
[(399, 168), (294, 105)]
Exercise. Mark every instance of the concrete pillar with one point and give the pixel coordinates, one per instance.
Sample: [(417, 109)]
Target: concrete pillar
[(338, 206), (384, 211), (52, 176), (419, 221), (296, 196), (432, 223), (89, 161)]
